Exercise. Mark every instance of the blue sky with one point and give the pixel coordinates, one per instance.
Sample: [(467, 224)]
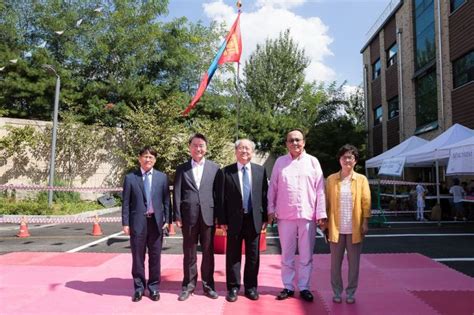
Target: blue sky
[(332, 32)]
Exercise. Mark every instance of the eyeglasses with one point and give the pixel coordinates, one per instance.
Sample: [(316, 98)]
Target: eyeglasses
[(348, 157), (297, 140), (242, 149), (198, 146)]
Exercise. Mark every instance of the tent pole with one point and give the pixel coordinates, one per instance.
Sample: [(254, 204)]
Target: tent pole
[(437, 182)]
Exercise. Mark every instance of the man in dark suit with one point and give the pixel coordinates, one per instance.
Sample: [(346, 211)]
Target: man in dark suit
[(193, 201), (242, 212), (145, 214)]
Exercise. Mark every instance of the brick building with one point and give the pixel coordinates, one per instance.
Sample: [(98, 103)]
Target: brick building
[(419, 71)]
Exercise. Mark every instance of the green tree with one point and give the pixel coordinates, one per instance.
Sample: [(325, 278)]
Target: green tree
[(277, 97), (162, 127), (116, 60), (341, 119)]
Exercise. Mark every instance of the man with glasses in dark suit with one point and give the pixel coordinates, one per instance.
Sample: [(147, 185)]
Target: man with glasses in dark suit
[(145, 215)]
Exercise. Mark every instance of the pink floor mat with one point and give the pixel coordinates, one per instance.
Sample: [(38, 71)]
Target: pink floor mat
[(98, 283)]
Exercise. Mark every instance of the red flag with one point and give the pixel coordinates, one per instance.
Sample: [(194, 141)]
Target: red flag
[(230, 51), (233, 49)]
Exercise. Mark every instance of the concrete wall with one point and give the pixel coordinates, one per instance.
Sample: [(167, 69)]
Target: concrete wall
[(34, 170)]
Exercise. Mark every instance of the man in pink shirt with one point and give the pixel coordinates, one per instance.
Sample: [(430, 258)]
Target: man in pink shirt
[(296, 199)]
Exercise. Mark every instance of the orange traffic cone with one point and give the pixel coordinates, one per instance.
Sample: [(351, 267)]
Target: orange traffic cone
[(96, 230), (171, 229), (23, 229)]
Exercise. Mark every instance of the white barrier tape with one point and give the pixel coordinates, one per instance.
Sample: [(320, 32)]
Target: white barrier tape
[(45, 220), (57, 188), (397, 182)]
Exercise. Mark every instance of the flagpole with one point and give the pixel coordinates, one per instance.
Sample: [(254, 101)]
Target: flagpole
[(237, 83)]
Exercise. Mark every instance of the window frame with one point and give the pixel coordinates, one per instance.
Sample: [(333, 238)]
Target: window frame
[(422, 97), (376, 72), (391, 60), (391, 101), (468, 72), (454, 5), (378, 119), (424, 35)]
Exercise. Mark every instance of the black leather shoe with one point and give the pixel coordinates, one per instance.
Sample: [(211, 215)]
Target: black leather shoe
[(285, 294), (232, 295), (306, 295), (137, 296), (251, 294), (155, 295), (184, 295), (211, 294)]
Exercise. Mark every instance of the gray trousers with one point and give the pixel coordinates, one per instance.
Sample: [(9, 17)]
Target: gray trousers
[(353, 259)]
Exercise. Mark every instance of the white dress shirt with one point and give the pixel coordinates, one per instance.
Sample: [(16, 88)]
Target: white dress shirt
[(150, 206), (249, 173), (198, 168)]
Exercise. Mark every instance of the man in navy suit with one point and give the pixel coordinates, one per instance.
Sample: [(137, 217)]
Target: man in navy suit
[(145, 214), (242, 211), (193, 201)]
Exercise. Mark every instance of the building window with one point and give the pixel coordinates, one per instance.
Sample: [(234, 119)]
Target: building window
[(392, 55), (463, 69), (378, 115), (393, 108), (455, 4), (376, 68), (426, 101), (425, 50)]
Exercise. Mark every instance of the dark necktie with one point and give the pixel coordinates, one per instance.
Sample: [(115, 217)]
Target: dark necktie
[(147, 185), (247, 191)]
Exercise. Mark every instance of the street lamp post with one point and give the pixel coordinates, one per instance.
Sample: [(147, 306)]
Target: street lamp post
[(51, 70)]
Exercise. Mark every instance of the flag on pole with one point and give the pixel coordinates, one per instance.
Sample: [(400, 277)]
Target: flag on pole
[(229, 51)]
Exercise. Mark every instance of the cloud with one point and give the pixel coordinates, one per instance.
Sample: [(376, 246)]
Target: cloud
[(270, 19), (285, 4)]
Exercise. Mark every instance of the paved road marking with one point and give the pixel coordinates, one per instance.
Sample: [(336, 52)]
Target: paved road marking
[(426, 222), (93, 243), (416, 235), (453, 259)]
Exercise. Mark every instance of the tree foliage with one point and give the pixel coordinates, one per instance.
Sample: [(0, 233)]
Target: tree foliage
[(340, 120), (126, 66), (275, 90), (117, 59), (121, 64)]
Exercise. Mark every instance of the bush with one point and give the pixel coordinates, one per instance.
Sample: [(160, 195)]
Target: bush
[(39, 206)]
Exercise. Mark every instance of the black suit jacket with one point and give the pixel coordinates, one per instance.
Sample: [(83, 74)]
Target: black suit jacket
[(134, 201), (230, 210), (188, 200)]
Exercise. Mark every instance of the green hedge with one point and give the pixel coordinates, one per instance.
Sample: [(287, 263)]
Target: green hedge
[(39, 206)]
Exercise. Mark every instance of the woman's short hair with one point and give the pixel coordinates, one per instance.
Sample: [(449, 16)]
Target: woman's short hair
[(348, 148)]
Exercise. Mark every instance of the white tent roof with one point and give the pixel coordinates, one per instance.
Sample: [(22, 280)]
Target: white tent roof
[(461, 157), (431, 151), (406, 146), (464, 143)]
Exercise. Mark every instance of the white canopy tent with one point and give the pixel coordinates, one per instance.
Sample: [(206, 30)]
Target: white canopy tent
[(404, 147), (461, 157), (433, 152)]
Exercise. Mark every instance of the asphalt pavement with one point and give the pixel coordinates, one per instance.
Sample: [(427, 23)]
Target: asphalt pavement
[(450, 243)]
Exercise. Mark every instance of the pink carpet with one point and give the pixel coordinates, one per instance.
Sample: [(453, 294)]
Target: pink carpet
[(90, 283)]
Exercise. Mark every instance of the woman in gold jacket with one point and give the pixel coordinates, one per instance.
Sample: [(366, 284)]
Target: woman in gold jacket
[(348, 210)]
